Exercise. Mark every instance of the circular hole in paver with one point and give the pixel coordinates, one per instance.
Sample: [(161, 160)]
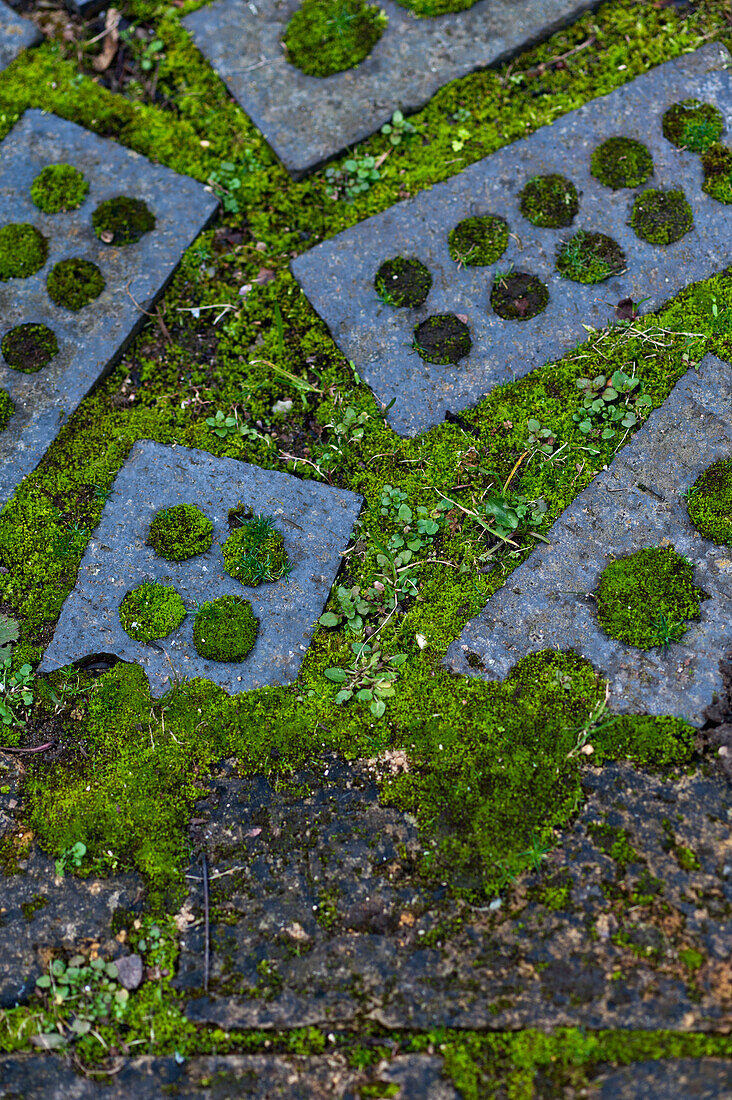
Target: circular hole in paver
[(443, 338), (180, 532), (151, 611), (74, 283), (225, 629), (518, 296), (122, 220), (23, 251), (661, 217), (621, 162), (710, 502), (590, 258), (717, 165), (328, 36), (59, 188), (647, 599), (693, 125), (29, 347), (478, 241), (255, 550), (402, 282), (549, 201)]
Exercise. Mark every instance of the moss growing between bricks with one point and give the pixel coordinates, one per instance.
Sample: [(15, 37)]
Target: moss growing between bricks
[(710, 503), (151, 611), (476, 242), (122, 220), (29, 347), (621, 162), (661, 217), (549, 201), (74, 283), (58, 188), (23, 251), (402, 282), (328, 36), (693, 125), (255, 552), (590, 258), (225, 629), (180, 532)]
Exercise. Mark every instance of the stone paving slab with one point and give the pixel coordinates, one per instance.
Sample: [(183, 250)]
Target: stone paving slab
[(680, 1078), (315, 520), (637, 502), (338, 275), (91, 340), (16, 34), (308, 119)]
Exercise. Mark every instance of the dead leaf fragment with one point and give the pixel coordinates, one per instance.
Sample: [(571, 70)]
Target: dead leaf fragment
[(111, 41)]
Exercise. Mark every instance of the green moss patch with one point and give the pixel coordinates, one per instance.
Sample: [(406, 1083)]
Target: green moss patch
[(430, 8), (255, 552), (74, 283), (646, 599), (710, 503), (476, 242), (621, 162), (122, 220), (328, 36), (590, 258), (6, 409), (517, 296), (402, 282), (29, 347), (661, 217), (58, 188), (23, 251), (443, 338), (693, 125), (180, 532), (151, 611), (717, 165), (225, 629), (549, 201)]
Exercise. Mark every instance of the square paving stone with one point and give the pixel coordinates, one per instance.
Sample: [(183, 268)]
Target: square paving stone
[(338, 275), (92, 339), (315, 521), (307, 119), (16, 34), (637, 502)]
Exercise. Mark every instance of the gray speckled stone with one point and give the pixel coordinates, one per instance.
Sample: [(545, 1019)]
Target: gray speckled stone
[(91, 340), (637, 502), (307, 119), (16, 34), (315, 520), (338, 275), (682, 1078)]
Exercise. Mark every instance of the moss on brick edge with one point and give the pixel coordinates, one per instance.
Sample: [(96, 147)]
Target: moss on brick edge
[(710, 502)]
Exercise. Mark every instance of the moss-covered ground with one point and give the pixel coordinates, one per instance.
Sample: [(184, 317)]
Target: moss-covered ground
[(234, 334)]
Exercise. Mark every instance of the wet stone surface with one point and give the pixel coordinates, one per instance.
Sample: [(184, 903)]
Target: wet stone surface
[(16, 34), (319, 916), (338, 275), (92, 339), (315, 521), (637, 502), (308, 119)]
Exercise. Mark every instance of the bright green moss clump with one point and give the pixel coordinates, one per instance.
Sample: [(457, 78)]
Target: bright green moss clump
[(549, 201), (180, 532), (328, 36), (151, 611), (477, 242), (400, 282), (661, 217), (442, 339), (430, 8), (621, 162), (122, 220), (710, 503), (225, 629), (74, 283), (23, 251), (590, 258), (693, 125), (58, 188), (6, 409), (29, 347), (717, 165), (255, 552), (647, 598)]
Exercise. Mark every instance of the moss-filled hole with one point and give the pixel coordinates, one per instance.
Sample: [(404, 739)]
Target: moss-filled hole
[(74, 283), (151, 611), (59, 188), (23, 251), (661, 217), (403, 282), (428, 9), (590, 258), (646, 599), (442, 339), (180, 532), (329, 36), (476, 242), (693, 125), (710, 502), (517, 296), (549, 201), (29, 347), (255, 552), (717, 165), (621, 162), (225, 629), (122, 220)]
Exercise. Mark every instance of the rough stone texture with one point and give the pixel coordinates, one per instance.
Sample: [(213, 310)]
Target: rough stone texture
[(16, 34), (681, 1078), (308, 119), (338, 275), (315, 521), (91, 340), (637, 502), (319, 914)]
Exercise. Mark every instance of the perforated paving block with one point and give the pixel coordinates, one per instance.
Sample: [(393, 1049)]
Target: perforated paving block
[(90, 339), (16, 34), (314, 520), (338, 275), (307, 119), (549, 603)]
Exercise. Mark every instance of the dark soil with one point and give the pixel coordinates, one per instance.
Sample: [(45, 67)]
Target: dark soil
[(519, 296), (443, 339)]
